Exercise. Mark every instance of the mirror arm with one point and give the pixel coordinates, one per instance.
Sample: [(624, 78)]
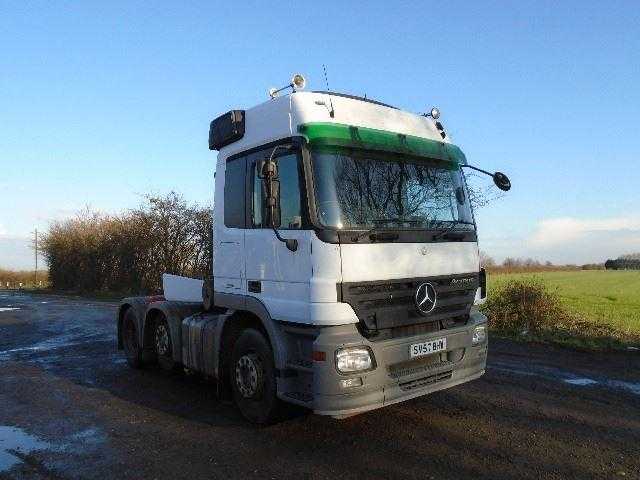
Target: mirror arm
[(291, 243), (477, 169), (500, 179)]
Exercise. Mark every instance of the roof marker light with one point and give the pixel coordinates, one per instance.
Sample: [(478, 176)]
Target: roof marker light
[(298, 82)]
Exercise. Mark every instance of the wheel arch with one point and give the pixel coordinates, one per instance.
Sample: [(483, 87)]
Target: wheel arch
[(248, 312), (173, 313)]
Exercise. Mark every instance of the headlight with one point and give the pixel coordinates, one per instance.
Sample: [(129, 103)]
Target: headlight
[(353, 359), (479, 334)]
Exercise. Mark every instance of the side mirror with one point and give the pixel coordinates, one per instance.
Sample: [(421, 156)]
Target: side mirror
[(269, 174), (502, 181), (268, 169), (499, 178)]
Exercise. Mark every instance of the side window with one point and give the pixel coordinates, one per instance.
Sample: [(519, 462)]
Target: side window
[(288, 214), (234, 193)]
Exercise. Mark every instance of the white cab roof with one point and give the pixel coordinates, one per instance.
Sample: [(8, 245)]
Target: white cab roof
[(280, 117)]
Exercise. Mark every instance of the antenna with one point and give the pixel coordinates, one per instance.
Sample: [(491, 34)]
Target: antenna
[(326, 82)]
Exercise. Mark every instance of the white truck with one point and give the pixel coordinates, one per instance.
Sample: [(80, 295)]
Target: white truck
[(345, 273)]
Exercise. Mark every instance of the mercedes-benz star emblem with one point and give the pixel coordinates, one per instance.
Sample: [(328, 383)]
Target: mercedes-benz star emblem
[(425, 298)]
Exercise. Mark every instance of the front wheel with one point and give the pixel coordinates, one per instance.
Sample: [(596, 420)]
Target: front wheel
[(253, 378)]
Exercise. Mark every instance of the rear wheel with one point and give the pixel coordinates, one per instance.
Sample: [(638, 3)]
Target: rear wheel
[(132, 349), (162, 345), (253, 378)]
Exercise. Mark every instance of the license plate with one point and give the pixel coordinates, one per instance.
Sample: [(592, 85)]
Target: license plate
[(428, 347)]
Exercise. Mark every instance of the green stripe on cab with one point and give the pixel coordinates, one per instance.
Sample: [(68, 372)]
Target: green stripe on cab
[(338, 134)]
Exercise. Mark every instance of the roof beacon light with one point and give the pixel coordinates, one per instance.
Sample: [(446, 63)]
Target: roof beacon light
[(298, 82), (434, 113)]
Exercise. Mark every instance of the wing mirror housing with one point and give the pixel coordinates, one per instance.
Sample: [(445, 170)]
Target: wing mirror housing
[(502, 181)]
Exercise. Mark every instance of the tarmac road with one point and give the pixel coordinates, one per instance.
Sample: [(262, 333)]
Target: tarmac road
[(71, 408)]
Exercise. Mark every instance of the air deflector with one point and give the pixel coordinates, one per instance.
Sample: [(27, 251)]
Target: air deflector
[(226, 129)]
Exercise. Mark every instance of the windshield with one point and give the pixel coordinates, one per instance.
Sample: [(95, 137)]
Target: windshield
[(363, 190)]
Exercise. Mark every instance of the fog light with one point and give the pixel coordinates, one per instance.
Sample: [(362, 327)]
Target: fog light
[(351, 382), (353, 359), (479, 334)]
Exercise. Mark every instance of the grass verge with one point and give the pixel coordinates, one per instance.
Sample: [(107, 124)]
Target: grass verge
[(531, 308)]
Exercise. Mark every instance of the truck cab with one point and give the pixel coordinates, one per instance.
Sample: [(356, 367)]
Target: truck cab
[(345, 272)]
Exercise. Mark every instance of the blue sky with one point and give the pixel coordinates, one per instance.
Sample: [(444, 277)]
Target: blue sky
[(101, 102)]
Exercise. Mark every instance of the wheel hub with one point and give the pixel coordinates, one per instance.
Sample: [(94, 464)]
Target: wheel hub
[(249, 376), (162, 340)]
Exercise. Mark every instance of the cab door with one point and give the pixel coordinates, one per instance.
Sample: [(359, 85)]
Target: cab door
[(229, 260), (275, 275)]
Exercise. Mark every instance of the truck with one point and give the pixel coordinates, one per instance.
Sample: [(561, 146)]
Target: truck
[(346, 272)]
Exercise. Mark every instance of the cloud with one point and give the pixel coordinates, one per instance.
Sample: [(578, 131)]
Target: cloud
[(16, 253), (567, 240), (574, 240), (560, 231)]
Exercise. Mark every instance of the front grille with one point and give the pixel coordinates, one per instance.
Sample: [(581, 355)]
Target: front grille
[(424, 381), (390, 304)]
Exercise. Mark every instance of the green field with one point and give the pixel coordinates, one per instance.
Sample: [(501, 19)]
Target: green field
[(601, 296)]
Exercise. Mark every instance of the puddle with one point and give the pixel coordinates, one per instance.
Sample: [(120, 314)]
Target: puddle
[(8, 309), (552, 373), (580, 381), (14, 439), (632, 387), (619, 384), (54, 343)]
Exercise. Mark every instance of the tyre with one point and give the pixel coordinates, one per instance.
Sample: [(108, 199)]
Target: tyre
[(162, 345), (130, 339), (253, 378)]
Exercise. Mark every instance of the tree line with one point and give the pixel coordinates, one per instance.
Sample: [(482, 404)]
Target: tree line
[(129, 252), (518, 265)]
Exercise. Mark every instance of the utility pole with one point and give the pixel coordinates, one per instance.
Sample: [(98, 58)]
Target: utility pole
[(36, 249)]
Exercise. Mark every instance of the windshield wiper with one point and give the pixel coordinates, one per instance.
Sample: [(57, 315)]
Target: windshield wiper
[(450, 229), (377, 228), (358, 236), (396, 220)]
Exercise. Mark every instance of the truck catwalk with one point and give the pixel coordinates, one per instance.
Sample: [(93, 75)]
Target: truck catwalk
[(70, 408)]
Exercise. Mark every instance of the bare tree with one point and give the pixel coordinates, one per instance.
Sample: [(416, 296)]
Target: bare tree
[(129, 252), (486, 260)]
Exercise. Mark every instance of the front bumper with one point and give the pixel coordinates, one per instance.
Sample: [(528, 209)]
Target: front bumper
[(396, 377)]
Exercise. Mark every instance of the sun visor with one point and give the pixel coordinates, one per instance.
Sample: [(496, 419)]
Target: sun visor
[(340, 135)]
